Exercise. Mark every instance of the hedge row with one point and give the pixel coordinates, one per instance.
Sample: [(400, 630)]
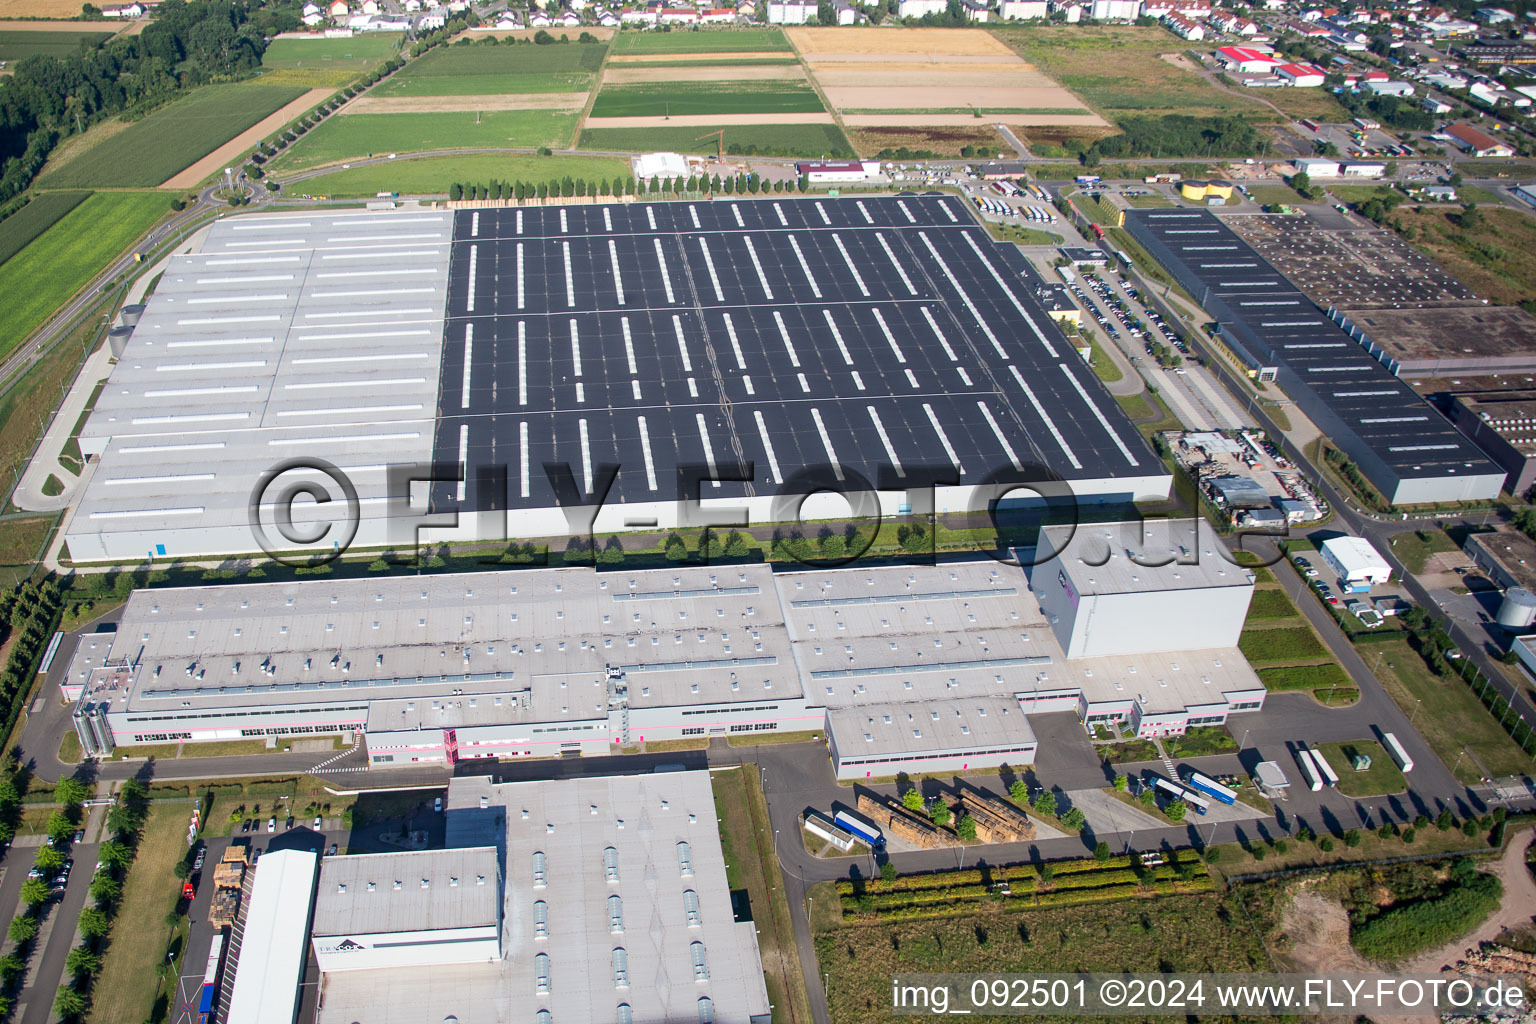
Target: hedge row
[(1425, 924), (974, 876), (1054, 898)]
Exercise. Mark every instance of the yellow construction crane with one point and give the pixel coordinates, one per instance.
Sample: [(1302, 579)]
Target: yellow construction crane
[(711, 135)]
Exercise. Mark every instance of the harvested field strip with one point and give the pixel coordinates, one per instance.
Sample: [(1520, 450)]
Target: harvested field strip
[(752, 40), (968, 111), (702, 121), (440, 104), (173, 137), (233, 150), (766, 134), (661, 99), (704, 73), (1083, 120), (818, 43), (342, 138)]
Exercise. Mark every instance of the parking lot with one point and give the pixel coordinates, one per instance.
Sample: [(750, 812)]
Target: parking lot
[(1360, 268)]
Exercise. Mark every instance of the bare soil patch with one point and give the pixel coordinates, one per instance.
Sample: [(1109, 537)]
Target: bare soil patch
[(454, 104), (1083, 120), (817, 43), (235, 148), (945, 141), (706, 120), (1180, 61), (1318, 928), (699, 58), (772, 73), (919, 97)]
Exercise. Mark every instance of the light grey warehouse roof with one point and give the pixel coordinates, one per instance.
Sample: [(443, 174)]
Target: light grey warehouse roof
[(660, 898), (285, 335), (375, 893), (978, 724), (1139, 558)]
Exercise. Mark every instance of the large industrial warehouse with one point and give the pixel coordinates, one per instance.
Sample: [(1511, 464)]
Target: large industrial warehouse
[(1402, 445), (602, 354), (549, 662)]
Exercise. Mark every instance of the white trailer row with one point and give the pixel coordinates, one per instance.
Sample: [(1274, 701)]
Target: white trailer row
[(1316, 769), (1178, 792), (1036, 214)]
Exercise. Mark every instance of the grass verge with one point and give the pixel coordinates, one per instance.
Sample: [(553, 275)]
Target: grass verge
[(433, 175), (1382, 778), (806, 140)]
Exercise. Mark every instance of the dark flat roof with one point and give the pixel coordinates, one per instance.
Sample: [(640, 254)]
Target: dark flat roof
[(1421, 338), (660, 335)]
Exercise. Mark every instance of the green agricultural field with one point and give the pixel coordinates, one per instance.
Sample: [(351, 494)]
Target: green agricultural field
[(42, 276), (17, 230), (16, 45), (745, 40), (497, 70), (807, 140), (659, 99), (172, 138), (1119, 70), (356, 135), (359, 53), (433, 175)]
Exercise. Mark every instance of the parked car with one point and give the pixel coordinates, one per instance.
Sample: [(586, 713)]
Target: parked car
[(1312, 573), (197, 863), (272, 824), (79, 835), (245, 826), (1332, 599), (332, 851)]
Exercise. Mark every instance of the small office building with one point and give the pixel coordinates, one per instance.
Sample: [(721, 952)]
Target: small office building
[(1356, 563)]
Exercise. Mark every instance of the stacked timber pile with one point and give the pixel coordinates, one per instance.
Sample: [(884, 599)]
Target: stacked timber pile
[(996, 822), (899, 821)]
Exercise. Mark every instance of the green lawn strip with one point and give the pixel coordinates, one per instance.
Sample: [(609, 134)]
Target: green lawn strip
[(754, 739), (355, 53), (746, 840), (18, 45), (807, 140), (1105, 368), (658, 99), (1455, 719), (356, 135), (173, 137), (1383, 778), (1270, 603), (1304, 677), (1201, 741), (41, 277), (1126, 751), (1415, 548), (1274, 195), (742, 40), (1020, 235), (433, 175), (27, 223), (126, 988), (1233, 860), (1281, 644)]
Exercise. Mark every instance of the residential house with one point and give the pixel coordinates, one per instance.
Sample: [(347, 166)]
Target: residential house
[(790, 12), (976, 10), (1185, 27), (717, 16), (608, 19), (1023, 10), (339, 10), (1070, 10)]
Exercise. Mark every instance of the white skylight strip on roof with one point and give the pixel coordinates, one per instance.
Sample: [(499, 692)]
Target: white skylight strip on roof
[(331, 360), (519, 225), (570, 280), (394, 272), (264, 224), (903, 208), (805, 268), (1045, 417), (885, 439), (730, 331), (520, 294), (239, 364), (564, 228), (938, 429), (964, 376), (853, 269), (221, 300), (586, 455), (1244, 303), (709, 449), (469, 361), (682, 343), (645, 449), (693, 387), (943, 341), (789, 346), (997, 432), (1292, 323), (826, 443), (911, 377), (865, 211), (464, 455), (709, 264), (243, 278), (581, 393), (265, 318), (1034, 327), (264, 241), (365, 383), (522, 362), (226, 389), (376, 255), (837, 336), (575, 348), (1364, 394), (469, 298), (805, 385), (912, 288), (347, 438), (1225, 266), (169, 478), (219, 342), (964, 296), (661, 261), (206, 417), (890, 338), (522, 446), (358, 293), (1098, 414), (773, 459), (693, 212), (650, 216), (366, 334), (474, 224), (824, 218), (634, 387), (756, 265), (949, 213), (613, 259), (607, 220), (1396, 419), (1425, 448), (783, 220), (1319, 344), (418, 236), (736, 210), (352, 312), (200, 446), (195, 510), (251, 261), (352, 410), (629, 344)]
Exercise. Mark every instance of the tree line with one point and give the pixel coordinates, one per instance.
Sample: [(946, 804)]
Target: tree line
[(568, 187), (187, 45), (1176, 135)]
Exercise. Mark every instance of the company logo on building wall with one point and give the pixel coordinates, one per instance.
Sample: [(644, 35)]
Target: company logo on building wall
[(348, 946), (1066, 585)]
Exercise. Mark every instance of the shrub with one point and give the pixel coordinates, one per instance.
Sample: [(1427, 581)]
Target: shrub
[(1101, 851), (1045, 803), (965, 828), (1406, 929), (1018, 792), (1325, 844), (1352, 838), (1074, 818), (888, 872)]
